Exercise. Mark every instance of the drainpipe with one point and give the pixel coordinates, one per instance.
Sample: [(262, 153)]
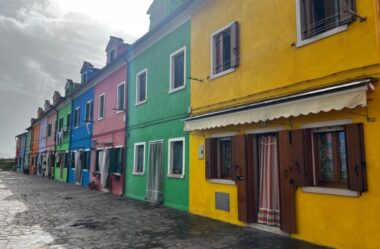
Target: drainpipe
[(55, 140), (125, 126)]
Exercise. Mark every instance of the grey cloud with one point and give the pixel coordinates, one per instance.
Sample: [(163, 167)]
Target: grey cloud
[(39, 49)]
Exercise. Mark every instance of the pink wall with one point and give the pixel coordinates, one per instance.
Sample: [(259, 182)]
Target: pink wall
[(50, 144), (110, 131), (104, 130)]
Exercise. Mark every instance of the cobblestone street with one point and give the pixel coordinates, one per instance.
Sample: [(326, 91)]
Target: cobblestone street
[(42, 213)]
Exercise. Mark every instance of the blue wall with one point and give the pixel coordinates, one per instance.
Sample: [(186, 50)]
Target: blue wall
[(81, 136)]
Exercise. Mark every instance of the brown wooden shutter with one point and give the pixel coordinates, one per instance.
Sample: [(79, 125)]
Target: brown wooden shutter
[(356, 165), (252, 170), (211, 158), (302, 166), (235, 53), (344, 14), (239, 162), (287, 189)]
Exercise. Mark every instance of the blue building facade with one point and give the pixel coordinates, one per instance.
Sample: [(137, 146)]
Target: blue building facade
[(80, 142)]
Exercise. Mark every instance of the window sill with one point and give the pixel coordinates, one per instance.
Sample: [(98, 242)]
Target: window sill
[(176, 176), (228, 71), (138, 173), (99, 119), (318, 37), (222, 181), (176, 89), (140, 103), (330, 191), (118, 112)]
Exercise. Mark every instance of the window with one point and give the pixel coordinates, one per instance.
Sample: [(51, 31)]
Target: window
[(67, 159), (84, 77), (330, 157), (86, 155), (141, 87), (88, 111), (120, 98), (117, 159), (68, 123), (61, 124), (49, 130), (101, 106), (316, 17), (77, 117), (219, 158), (177, 70), (97, 167), (112, 55), (139, 159), (225, 50), (176, 157)]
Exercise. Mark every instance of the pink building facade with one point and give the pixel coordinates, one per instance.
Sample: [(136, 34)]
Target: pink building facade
[(108, 140), (109, 128)]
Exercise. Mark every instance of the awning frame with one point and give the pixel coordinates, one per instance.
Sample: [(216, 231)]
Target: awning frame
[(362, 83)]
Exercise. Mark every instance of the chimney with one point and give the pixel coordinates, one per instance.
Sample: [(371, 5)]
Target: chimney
[(47, 105), (40, 113)]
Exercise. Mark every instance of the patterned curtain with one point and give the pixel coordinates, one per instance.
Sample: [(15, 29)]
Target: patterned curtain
[(269, 198), (154, 186)]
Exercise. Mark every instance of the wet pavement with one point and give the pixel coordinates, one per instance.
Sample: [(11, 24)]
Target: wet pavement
[(43, 213)]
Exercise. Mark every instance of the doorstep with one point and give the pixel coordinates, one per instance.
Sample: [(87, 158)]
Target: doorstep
[(269, 229)]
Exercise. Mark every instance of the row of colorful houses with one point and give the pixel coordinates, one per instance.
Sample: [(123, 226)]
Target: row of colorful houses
[(257, 113)]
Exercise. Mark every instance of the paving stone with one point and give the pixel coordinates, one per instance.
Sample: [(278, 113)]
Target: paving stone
[(42, 213)]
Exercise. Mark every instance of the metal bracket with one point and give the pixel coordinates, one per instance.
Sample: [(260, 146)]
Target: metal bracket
[(369, 119)]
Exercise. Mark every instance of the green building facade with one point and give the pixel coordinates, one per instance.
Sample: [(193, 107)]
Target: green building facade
[(158, 101), (62, 141)]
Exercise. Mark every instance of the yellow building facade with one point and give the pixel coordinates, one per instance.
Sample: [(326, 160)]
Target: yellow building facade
[(304, 75)]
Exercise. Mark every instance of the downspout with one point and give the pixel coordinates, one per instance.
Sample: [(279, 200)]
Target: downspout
[(125, 126), (55, 141)]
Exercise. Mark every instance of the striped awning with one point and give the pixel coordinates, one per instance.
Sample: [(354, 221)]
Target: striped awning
[(348, 95)]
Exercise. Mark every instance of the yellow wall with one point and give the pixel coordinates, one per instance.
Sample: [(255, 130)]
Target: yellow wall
[(268, 61), (270, 67), (337, 221)]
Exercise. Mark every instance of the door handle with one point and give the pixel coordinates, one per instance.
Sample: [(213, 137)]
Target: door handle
[(240, 178)]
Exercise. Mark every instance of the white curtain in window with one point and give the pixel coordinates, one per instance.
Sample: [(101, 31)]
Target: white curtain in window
[(78, 167), (154, 188), (269, 196), (104, 161)]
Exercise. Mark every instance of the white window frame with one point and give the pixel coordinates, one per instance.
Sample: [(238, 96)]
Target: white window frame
[(170, 161), (85, 116), (171, 71), (118, 110), (104, 106), (138, 86), (212, 51), (135, 158), (318, 37), (75, 116)]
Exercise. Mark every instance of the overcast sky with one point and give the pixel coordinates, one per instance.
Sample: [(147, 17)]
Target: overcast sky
[(44, 42)]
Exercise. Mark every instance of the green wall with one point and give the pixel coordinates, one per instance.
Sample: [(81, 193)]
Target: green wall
[(161, 117), (64, 146)]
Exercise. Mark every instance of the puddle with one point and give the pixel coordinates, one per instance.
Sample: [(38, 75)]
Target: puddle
[(19, 236), (88, 224)]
